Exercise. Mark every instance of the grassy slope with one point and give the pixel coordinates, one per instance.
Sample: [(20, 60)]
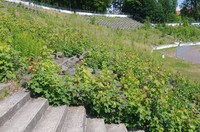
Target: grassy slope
[(47, 26), (58, 23)]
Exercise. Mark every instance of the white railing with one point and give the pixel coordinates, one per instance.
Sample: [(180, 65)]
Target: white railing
[(178, 24), (65, 11), (175, 45)]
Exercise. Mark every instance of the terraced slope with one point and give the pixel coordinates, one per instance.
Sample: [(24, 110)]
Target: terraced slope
[(119, 23), (123, 23)]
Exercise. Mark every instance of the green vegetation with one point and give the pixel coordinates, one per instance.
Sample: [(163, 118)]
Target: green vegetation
[(126, 83), (184, 33), (91, 5), (156, 10), (10, 63), (191, 9)]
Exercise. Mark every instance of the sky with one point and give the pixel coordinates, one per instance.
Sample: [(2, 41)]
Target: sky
[(179, 2)]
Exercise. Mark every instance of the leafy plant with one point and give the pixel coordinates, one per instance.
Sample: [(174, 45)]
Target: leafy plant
[(119, 81), (184, 33), (93, 20), (46, 83), (10, 63)]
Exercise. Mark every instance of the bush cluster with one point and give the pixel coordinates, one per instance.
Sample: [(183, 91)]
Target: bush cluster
[(126, 84), (132, 89), (183, 33), (10, 63)]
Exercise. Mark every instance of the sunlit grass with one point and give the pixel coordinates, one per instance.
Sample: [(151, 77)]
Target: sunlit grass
[(190, 71)]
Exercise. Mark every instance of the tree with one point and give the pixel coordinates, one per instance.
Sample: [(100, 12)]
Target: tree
[(169, 9), (92, 5), (193, 7), (156, 10)]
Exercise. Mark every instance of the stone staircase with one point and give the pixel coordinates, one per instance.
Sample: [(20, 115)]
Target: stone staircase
[(21, 113)]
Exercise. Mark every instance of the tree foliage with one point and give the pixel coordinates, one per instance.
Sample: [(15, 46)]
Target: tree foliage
[(156, 10), (93, 5), (191, 8)]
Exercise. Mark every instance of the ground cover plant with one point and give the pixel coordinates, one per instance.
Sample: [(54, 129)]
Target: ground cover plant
[(118, 79), (10, 63)]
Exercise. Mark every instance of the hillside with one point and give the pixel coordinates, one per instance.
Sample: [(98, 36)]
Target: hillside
[(73, 61)]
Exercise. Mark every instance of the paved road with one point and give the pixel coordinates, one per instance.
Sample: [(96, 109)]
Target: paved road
[(189, 53)]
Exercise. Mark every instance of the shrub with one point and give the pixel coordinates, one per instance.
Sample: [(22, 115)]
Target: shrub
[(184, 33), (145, 98), (93, 20), (10, 63), (128, 86), (75, 44), (73, 48), (46, 83)]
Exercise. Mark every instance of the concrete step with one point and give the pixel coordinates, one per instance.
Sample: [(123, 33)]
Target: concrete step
[(95, 125), (75, 120), (52, 120), (10, 105), (26, 118), (116, 128)]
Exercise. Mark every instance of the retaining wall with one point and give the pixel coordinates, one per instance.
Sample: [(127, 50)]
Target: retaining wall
[(175, 45)]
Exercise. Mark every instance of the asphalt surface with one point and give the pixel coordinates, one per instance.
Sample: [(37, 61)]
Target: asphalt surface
[(189, 53)]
